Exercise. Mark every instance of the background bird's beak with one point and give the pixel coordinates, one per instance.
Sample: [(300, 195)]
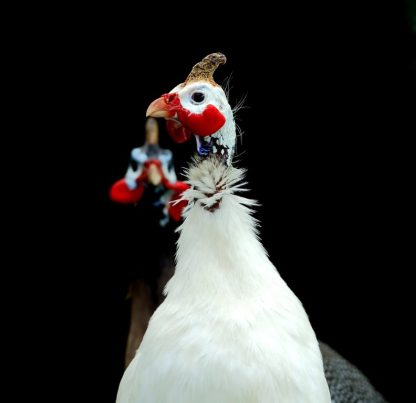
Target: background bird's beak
[(160, 109), (153, 175)]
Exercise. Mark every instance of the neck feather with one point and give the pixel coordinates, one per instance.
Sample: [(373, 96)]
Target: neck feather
[(218, 249)]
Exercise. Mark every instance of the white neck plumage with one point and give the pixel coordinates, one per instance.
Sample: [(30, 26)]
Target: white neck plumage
[(218, 246)]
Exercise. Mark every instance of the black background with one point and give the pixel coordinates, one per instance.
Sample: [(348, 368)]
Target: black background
[(324, 129)]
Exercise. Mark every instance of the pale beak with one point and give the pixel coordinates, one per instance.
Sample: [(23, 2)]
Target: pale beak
[(160, 109), (154, 176)]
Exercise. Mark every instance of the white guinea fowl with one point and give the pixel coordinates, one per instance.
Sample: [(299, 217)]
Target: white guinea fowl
[(230, 330)]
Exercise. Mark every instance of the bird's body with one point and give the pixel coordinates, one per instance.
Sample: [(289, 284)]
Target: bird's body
[(346, 382), (230, 329)]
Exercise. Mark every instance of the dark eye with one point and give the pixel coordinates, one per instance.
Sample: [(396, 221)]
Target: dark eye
[(198, 97)]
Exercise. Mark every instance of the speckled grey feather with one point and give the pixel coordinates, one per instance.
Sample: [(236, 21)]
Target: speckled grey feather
[(346, 383)]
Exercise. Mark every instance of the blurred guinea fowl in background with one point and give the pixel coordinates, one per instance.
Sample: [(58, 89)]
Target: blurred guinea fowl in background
[(150, 184)]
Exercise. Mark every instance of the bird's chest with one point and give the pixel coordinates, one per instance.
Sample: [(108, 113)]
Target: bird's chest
[(234, 357)]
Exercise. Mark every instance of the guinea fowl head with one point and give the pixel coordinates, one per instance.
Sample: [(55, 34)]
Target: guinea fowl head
[(199, 107)]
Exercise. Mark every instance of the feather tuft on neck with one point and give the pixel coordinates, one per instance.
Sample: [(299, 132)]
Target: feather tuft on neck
[(210, 180)]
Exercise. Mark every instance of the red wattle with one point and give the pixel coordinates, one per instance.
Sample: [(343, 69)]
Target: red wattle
[(175, 210), (153, 161), (204, 124), (120, 193), (178, 187), (179, 133)]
